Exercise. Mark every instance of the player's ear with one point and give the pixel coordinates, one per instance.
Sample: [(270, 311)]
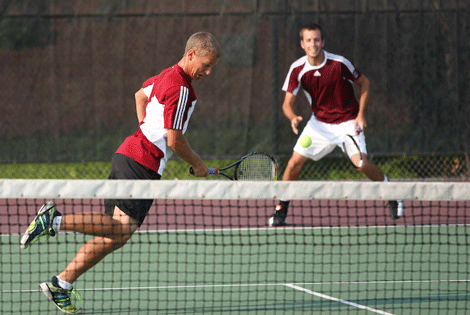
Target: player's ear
[(191, 54)]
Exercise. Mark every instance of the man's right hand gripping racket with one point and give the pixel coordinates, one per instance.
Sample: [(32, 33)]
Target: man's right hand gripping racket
[(253, 166)]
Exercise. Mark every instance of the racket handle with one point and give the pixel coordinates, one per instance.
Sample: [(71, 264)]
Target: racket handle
[(212, 171)]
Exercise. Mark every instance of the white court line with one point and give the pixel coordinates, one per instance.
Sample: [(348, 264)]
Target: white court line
[(288, 228), (198, 286), (336, 299)]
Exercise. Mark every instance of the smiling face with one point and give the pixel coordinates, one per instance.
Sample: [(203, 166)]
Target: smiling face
[(312, 42)]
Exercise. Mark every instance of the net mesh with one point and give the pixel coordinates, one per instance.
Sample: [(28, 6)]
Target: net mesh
[(205, 248)]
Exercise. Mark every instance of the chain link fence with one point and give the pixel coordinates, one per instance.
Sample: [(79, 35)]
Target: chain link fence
[(69, 71), (455, 167)]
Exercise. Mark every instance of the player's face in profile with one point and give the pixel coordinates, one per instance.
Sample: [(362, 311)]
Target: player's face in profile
[(202, 65), (312, 43)]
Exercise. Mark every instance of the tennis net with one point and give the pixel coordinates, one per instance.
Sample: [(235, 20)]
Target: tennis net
[(206, 248)]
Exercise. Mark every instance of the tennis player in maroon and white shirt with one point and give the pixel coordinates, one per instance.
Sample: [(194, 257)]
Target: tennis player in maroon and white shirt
[(168, 100), (164, 105), (327, 82)]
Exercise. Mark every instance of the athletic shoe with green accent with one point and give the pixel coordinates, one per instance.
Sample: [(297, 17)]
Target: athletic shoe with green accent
[(41, 225), (61, 297)]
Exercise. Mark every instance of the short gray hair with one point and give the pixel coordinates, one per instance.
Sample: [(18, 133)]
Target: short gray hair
[(204, 44)]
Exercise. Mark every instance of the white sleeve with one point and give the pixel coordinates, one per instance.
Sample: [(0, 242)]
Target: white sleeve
[(148, 90)]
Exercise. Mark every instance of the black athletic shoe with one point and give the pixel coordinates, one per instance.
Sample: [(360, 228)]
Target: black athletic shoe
[(396, 208), (279, 216)]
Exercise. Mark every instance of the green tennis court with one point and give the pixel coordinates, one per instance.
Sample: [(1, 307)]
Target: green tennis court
[(205, 248), (363, 270)]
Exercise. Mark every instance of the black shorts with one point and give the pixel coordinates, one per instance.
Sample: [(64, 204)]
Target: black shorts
[(123, 167)]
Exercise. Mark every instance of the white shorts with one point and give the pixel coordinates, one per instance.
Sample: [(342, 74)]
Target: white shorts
[(325, 137)]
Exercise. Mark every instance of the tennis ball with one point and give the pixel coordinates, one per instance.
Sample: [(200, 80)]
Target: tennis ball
[(305, 141)]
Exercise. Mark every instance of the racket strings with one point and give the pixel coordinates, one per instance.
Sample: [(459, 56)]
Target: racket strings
[(257, 167)]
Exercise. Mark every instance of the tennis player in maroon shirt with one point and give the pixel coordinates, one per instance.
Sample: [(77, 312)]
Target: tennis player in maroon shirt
[(327, 81), (164, 105)]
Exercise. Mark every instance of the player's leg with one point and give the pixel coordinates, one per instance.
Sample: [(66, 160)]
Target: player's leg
[(112, 230), (49, 220), (372, 171), (97, 224), (115, 231), (316, 148), (294, 166)]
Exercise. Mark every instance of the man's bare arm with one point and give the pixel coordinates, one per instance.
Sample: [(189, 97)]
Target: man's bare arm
[(361, 119), (288, 109), (180, 146), (140, 102)]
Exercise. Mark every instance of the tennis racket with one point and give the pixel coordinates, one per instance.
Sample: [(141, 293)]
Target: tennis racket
[(352, 151), (253, 166)]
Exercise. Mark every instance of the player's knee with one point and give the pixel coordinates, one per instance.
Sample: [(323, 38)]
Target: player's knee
[(120, 240), (124, 234), (361, 169), (292, 170), (295, 164), (369, 169), (364, 167)]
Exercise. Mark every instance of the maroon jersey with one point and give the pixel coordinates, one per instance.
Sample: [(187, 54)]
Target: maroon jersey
[(327, 86), (171, 101)]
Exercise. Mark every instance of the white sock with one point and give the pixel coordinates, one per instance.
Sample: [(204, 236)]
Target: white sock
[(385, 178), (56, 223), (64, 284)]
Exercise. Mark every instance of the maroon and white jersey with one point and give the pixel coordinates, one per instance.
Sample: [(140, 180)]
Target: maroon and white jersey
[(171, 101), (327, 86)]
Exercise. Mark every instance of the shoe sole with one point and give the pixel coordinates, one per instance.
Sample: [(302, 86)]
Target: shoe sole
[(45, 289), (271, 223)]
